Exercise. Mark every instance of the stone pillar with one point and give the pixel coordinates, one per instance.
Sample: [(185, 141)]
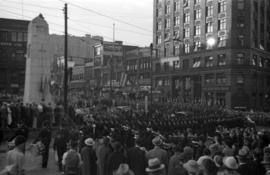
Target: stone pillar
[(39, 59)]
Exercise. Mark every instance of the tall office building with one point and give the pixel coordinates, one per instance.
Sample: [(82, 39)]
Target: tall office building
[(13, 41), (213, 51)]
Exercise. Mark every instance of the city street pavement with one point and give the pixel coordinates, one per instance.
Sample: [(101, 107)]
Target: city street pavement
[(33, 165)]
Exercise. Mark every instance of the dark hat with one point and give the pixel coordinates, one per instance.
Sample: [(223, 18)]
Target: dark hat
[(19, 140)]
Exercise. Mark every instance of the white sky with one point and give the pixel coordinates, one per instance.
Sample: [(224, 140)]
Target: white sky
[(81, 22)]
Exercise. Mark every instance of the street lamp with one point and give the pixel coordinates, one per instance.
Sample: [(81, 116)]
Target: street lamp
[(211, 41)]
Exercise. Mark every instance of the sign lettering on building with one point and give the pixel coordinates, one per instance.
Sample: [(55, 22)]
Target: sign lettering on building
[(111, 48), (216, 89), (11, 44)]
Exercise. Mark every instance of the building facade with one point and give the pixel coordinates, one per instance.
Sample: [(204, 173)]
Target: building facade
[(13, 43), (109, 66), (138, 69), (213, 51)]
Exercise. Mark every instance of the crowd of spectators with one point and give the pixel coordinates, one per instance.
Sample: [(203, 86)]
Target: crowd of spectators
[(207, 140), (121, 150)]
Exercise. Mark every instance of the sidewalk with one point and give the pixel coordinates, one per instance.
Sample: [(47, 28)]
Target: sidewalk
[(33, 165)]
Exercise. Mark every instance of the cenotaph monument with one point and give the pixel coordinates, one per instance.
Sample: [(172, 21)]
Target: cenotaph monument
[(38, 60)]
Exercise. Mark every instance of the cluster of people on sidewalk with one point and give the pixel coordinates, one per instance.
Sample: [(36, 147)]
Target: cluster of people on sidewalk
[(32, 115), (232, 151)]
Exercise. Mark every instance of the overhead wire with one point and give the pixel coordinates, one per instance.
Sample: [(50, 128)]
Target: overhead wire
[(29, 18), (62, 25), (33, 11), (103, 26), (33, 5), (106, 16), (79, 21)]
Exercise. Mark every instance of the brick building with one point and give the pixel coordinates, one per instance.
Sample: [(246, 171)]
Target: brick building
[(13, 41), (233, 72)]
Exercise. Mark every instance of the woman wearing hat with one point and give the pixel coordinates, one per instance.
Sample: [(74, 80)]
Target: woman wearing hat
[(89, 166)]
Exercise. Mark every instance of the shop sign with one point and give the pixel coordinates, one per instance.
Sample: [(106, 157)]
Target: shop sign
[(216, 88)]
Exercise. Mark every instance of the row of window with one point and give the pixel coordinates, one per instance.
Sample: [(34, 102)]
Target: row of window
[(222, 6), (220, 78), (197, 62), (210, 61), (209, 24), (209, 79), (8, 36), (176, 7), (142, 76), (78, 76), (13, 54), (188, 48), (132, 67)]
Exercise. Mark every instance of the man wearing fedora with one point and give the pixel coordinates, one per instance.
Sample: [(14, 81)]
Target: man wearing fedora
[(155, 167), (88, 155), (158, 152)]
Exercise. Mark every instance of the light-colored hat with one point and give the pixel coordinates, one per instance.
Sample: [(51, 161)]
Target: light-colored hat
[(154, 165), (123, 169), (157, 141), (199, 161), (243, 152), (230, 162), (191, 166), (89, 142)]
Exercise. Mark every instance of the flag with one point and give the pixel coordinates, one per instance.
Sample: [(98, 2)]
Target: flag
[(261, 47), (123, 79)]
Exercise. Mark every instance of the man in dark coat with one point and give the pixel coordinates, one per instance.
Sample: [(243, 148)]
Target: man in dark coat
[(158, 152), (115, 158), (136, 159), (45, 136), (88, 155), (22, 130), (103, 151), (60, 145)]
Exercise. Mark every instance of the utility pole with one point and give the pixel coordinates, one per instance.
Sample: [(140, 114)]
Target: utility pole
[(66, 66)]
